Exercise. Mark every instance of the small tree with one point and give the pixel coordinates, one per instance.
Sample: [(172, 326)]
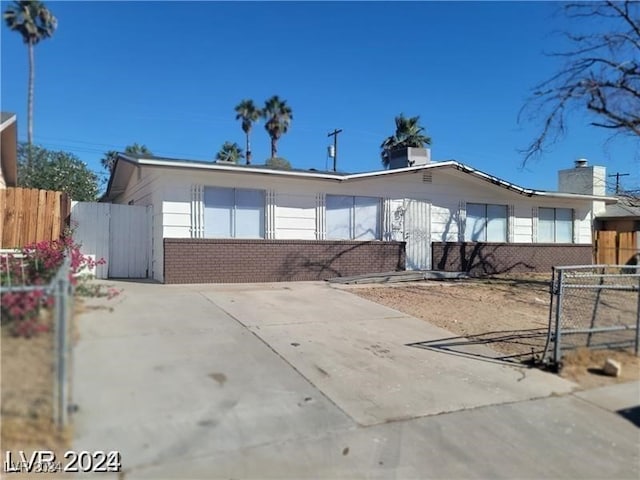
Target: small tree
[(278, 163), (409, 133), (61, 171), (230, 153)]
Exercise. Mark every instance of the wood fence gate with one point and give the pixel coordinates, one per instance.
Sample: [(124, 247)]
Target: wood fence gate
[(616, 248), (121, 234)]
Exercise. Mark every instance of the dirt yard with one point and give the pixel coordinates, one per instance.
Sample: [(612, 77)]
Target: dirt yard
[(27, 396), (508, 314)]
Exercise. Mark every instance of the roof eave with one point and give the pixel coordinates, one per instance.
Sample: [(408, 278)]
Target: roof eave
[(168, 163)]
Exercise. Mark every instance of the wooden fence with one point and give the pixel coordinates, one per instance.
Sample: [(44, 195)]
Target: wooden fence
[(616, 248), (28, 215)]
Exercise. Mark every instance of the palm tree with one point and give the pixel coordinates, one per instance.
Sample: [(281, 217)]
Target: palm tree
[(136, 149), (229, 152), (408, 134), (278, 117), (248, 113), (34, 22), (109, 159)]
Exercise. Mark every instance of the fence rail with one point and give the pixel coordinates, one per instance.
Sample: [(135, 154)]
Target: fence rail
[(30, 215), (593, 306)]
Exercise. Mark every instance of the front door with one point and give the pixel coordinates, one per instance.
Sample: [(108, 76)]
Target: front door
[(417, 234)]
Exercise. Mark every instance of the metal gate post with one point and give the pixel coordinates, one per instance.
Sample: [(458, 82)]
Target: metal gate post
[(557, 351), (61, 292)]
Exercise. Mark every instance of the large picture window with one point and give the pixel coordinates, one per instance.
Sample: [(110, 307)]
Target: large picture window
[(486, 223), (555, 225), (352, 218), (233, 213)]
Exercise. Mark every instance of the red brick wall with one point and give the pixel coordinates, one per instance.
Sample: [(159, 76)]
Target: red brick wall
[(492, 258), (189, 260)]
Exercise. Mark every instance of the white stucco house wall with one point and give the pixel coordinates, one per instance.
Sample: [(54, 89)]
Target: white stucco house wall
[(214, 222)]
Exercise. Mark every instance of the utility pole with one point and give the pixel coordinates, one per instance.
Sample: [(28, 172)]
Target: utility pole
[(618, 175), (334, 134)]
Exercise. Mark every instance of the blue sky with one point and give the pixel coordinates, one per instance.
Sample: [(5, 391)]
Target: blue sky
[(169, 74)]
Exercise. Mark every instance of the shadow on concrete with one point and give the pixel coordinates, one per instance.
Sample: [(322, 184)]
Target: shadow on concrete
[(632, 414), (530, 342), (131, 280)]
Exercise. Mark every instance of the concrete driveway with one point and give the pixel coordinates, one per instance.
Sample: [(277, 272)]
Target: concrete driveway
[(355, 351), (301, 380)]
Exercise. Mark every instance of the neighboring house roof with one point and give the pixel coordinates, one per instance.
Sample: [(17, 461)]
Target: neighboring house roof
[(125, 165), (625, 208), (9, 148), (4, 117)]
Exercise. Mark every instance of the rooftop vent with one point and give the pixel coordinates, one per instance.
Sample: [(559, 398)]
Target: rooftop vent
[(581, 162)]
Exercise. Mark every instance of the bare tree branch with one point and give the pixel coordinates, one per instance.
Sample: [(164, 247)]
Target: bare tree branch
[(601, 75)]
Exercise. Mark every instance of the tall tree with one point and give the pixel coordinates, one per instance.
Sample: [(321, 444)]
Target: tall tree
[(278, 116), (34, 22), (600, 75), (109, 159), (409, 133), (56, 170), (229, 152), (248, 113)]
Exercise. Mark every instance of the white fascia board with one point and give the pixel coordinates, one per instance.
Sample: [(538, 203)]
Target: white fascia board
[(577, 196), (343, 178), (7, 122), (229, 168), (263, 171)]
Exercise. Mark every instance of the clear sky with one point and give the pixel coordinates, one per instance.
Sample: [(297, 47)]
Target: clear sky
[(169, 74)]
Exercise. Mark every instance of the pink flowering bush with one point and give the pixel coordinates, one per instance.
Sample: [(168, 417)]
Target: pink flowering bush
[(38, 266)]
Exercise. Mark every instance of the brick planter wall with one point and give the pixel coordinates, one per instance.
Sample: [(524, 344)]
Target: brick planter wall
[(491, 258), (189, 260)]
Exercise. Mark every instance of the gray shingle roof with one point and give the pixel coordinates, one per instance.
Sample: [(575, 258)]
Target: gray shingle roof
[(625, 208)]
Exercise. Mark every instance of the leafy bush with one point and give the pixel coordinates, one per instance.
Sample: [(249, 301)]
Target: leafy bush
[(37, 266)]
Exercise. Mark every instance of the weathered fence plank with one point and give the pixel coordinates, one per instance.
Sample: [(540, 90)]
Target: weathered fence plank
[(31, 215)]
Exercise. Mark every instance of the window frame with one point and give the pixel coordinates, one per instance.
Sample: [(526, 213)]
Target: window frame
[(570, 221), (353, 219), (486, 206), (233, 213)]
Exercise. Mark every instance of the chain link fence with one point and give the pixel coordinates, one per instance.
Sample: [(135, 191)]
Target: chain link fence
[(36, 364), (593, 306)]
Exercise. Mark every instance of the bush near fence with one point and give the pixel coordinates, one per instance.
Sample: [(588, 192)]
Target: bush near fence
[(29, 215), (36, 307)]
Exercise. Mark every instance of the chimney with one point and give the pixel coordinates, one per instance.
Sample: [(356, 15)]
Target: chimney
[(409, 157), (583, 179)]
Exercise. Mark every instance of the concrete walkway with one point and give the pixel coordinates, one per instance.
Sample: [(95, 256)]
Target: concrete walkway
[(304, 381)]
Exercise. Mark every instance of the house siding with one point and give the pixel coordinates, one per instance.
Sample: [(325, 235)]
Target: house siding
[(479, 259), (294, 215), (239, 261), (295, 205)]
